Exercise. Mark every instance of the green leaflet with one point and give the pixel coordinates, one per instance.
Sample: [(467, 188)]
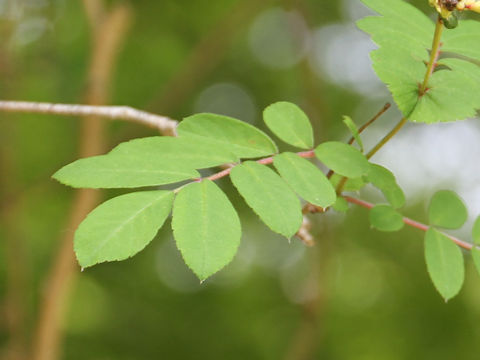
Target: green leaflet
[(444, 263), (463, 40), (341, 205), (290, 124), (403, 34), (192, 153), (116, 172), (235, 136), (347, 120), (269, 196), (407, 19), (476, 231), (342, 158), (461, 82), (476, 240), (206, 228), (145, 162), (121, 227), (385, 218), (447, 210), (385, 181), (306, 179), (476, 258)]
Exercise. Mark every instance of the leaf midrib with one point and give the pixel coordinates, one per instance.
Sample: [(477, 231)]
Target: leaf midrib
[(125, 223)]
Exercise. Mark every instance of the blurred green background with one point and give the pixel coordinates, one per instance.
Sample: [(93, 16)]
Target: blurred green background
[(358, 294)]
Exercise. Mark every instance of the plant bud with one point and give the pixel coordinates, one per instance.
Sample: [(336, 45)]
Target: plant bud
[(451, 22)]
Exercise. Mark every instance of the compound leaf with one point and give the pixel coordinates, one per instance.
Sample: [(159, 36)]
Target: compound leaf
[(447, 210), (121, 227), (269, 196), (290, 124), (342, 158), (235, 136), (306, 179), (206, 228), (444, 263), (386, 218)]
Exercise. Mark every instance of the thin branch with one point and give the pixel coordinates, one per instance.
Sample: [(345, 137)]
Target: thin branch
[(265, 161), (362, 128), (371, 121), (387, 137), (410, 222), (363, 203), (164, 124)]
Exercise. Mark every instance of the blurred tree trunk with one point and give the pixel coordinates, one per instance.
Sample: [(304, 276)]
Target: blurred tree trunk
[(108, 32)]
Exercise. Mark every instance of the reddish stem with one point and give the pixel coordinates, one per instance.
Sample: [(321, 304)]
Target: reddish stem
[(265, 161), (410, 222), (359, 202)]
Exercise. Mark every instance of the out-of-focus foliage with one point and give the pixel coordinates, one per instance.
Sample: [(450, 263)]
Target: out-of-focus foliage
[(369, 294)]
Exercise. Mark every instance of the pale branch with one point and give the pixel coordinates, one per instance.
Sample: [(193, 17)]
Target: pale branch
[(108, 35), (166, 125), (371, 121)]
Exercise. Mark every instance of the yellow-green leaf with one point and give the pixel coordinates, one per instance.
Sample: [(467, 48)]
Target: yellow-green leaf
[(206, 228), (235, 136), (343, 159), (269, 196), (121, 227), (306, 179), (290, 124), (386, 218), (444, 263), (447, 210)]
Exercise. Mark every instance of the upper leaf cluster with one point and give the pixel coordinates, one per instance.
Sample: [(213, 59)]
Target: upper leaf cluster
[(404, 36)]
